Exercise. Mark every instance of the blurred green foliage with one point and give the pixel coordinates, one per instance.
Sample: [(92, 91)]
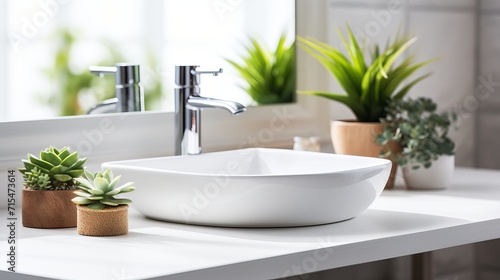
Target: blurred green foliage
[(269, 75), (68, 84)]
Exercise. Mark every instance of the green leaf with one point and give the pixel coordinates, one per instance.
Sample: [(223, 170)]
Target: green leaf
[(64, 153), (108, 175), (50, 157), (407, 88), (115, 181), (78, 164), (30, 166), (115, 202), (398, 51), (89, 175), (75, 173), (101, 184), (269, 76), (123, 201), (40, 163), (57, 169), (357, 109), (81, 200), (55, 150), (70, 160), (62, 177), (82, 194), (110, 202), (125, 188), (96, 206), (86, 183), (128, 189), (96, 191)]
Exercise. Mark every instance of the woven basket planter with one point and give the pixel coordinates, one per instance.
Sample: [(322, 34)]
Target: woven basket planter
[(109, 221)]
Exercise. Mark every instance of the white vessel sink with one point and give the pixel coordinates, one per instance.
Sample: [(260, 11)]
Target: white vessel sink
[(254, 187)]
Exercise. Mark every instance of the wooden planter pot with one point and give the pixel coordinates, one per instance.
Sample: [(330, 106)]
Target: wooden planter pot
[(48, 209), (109, 221), (358, 139)]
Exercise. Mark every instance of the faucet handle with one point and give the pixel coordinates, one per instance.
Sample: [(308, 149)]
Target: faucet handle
[(215, 73), (189, 76), (101, 70), (125, 73)]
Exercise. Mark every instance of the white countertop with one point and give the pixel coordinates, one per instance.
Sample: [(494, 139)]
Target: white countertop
[(400, 222)]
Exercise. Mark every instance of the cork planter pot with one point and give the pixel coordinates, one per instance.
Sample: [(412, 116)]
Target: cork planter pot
[(110, 221), (358, 139), (48, 209)]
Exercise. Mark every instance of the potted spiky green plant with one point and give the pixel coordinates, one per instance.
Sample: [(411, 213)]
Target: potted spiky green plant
[(99, 212), (269, 75), (370, 81), (49, 182)]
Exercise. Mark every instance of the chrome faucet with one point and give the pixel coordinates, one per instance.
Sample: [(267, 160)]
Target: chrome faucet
[(188, 104), (129, 93)]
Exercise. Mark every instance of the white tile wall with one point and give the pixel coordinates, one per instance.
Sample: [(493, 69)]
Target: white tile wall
[(450, 37), (370, 2), (488, 5), (445, 28), (488, 141), (444, 3), (489, 56), (489, 69)]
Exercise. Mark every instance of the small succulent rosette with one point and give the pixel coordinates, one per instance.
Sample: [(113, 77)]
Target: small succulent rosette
[(98, 190)]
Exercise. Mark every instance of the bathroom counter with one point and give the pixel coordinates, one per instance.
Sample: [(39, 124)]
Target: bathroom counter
[(399, 223)]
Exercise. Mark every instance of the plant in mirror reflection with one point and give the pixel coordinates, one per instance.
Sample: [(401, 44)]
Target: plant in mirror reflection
[(72, 86), (269, 75)]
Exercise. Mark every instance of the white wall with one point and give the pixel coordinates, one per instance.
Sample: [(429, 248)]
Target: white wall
[(464, 35), (488, 129), (445, 29)]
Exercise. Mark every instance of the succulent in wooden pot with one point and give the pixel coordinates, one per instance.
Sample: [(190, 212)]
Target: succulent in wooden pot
[(100, 213), (49, 182)]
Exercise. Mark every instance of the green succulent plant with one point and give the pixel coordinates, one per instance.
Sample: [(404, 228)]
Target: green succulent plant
[(269, 75), (55, 169), (368, 86), (419, 129), (97, 190)]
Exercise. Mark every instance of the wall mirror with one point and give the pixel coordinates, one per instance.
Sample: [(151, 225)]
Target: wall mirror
[(50, 44)]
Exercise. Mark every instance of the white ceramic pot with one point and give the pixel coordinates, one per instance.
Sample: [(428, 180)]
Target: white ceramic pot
[(438, 176)]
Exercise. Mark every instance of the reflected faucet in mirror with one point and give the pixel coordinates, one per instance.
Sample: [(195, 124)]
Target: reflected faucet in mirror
[(129, 92), (188, 105)]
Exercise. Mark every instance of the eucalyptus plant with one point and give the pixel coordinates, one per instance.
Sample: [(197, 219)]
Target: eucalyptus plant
[(98, 190), (269, 75), (369, 81), (419, 129), (54, 169)]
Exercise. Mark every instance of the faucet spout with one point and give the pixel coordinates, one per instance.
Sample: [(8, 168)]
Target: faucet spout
[(128, 89), (199, 102), (188, 107)]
